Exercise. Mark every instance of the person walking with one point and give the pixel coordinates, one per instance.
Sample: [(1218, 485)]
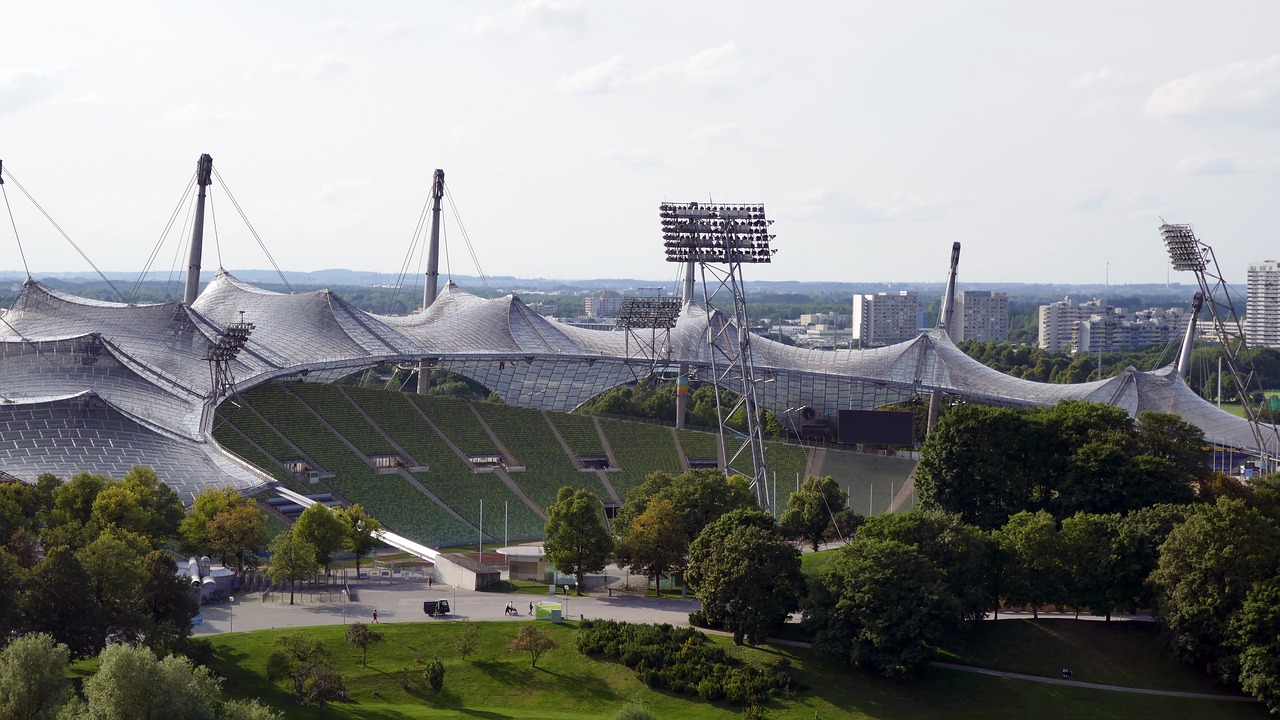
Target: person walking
[(530, 608), (375, 616), (429, 581)]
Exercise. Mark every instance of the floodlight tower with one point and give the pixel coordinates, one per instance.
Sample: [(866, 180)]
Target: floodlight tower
[(719, 239), (657, 315), (230, 342), (1186, 252)]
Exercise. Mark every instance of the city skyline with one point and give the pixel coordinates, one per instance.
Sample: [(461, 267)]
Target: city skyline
[(1049, 141)]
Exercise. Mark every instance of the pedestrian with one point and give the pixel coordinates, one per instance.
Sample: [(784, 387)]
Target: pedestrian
[(1066, 673), (429, 580), (530, 608), (375, 616)]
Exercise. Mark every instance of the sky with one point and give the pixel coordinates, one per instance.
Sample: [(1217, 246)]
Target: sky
[(1049, 139)]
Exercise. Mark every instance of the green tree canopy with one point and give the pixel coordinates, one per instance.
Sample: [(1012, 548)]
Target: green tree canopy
[(576, 539), (56, 602), (359, 531), (881, 606), (1031, 552), (963, 553), (654, 544), (292, 559), (1207, 566), (1255, 634), (320, 527), (813, 509), (746, 575), (33, 677), (131, 684)]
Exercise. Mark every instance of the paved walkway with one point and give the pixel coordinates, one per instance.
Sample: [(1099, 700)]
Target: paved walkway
[(1092, 686)]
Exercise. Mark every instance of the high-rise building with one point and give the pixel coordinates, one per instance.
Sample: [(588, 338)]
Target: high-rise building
[(980, 315), (886, 318), (1117, 330), (1058, 321), (603, 305), (1262, 308)]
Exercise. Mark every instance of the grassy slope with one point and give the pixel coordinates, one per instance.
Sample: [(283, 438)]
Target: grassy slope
[(493, 684)]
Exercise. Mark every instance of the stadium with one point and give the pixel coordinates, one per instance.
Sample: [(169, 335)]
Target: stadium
[(233, 388)]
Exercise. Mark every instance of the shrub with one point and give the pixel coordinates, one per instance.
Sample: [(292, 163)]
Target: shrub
[(433, 674)]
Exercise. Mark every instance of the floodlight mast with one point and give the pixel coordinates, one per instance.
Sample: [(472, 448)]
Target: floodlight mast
[(204, 171), (657, 315), (719, 239), (944, 322), (1186, 252)]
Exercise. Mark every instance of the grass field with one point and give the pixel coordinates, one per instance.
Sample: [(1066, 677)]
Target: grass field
[(567, 686)]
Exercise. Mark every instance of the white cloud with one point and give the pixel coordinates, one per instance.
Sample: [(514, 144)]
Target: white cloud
[(713, 68), (605, 77), (1089, 200), (717, 133), (333, 191), (539, 17), (191, 114), (1104, 80), (320, 67), (824, 203), (19, 88), (634, 157), (1210, 163), (1237, 91)]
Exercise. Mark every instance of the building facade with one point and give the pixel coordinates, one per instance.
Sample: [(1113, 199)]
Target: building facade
[(1262, 308), (886, 318), (980, 315), (603, 305), (1058, 321)]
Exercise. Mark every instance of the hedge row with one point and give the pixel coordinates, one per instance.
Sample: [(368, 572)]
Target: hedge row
[(683, 661)]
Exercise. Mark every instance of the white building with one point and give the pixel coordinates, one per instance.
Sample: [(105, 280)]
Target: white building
[(1262, 308), (603, 305), (886, 318), (1058, 321), (1117, 330), (980, 315)]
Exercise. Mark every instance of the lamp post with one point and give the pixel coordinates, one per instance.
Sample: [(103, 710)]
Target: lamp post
[(344, 606), (231, 600)]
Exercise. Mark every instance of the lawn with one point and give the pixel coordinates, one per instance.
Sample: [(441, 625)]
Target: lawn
[(812, 562), (566, 686)]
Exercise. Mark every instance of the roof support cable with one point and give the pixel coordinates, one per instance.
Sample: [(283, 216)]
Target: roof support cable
[(164, 234), (409, 253), (16, 239), (470, 248), (64, 235), (253, 232), (217, 242), (180, 250)]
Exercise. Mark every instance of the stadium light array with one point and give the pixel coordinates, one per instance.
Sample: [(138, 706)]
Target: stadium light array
[(649, 312), (715, 233), (1184, 249)]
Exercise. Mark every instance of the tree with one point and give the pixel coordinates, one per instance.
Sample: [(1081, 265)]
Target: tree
[(1168, 436), (881, 606), (1032, 553), (306, 663), (319, 526), (207, 505), (1255, 633), (433, 674), (292, 559), (1207, 566), (576, 539), (700, 496), (55, 602), (533, 640), (12, 577), (129, 679), (813, 508), (963, 553), (360, 530), (746, 575), (467, 640), (1094, 562), (654, 544), (247, 710), (976, 463), (1140, 534), (113, 563), (166, 604), (237, 533), (33, 682), (361, 636)]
